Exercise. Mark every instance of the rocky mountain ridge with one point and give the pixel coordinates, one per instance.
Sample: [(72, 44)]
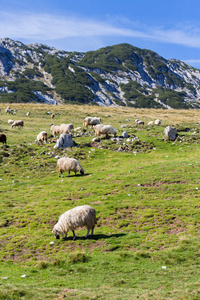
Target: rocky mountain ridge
[(115, 76)]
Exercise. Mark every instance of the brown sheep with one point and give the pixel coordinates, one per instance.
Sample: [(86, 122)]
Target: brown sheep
[(3, 138)]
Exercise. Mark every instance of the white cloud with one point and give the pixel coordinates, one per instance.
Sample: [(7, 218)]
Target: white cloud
[(45, 27)]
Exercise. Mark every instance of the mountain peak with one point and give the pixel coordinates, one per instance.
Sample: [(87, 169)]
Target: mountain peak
[(114, 75)]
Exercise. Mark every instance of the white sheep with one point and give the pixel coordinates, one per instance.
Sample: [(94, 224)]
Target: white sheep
[(139, 122), (18, 123), (157, 122), (104, 130), (41, 137), (55, 129), (28, 114), (66, 128), (91, 121), (79, 216), (9, 111), (151, 123), (68, 164), (10, 122)]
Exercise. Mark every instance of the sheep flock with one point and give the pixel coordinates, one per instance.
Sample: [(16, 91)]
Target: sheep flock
[(82, 215)]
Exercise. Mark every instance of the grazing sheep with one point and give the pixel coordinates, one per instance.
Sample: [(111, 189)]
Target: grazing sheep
[(55, 129), (79, 216), (157, 122), (9, 111), (28, 114), (91, 121), (78, 129), (52, 116), (3, 138), (139, 122), (18, 123), (104, 130), (66, 128), (69, 164), (42, 137), (10, 122), (151, 123)]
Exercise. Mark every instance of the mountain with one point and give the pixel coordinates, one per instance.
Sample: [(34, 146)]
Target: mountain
[(119, 75)]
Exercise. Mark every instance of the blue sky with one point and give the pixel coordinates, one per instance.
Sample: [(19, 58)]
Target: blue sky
[(169, 27)]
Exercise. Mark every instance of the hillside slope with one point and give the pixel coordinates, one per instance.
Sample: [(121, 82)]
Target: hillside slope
[(116, 75)]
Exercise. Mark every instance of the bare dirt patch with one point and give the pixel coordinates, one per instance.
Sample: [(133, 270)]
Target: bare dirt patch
[(159, 183)]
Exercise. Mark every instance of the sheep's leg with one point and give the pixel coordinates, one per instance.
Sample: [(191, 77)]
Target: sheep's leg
[(88, 231), (92, 230), (61, 174), (68, 173), (74, 236)]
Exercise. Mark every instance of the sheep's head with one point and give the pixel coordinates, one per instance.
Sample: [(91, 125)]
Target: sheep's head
[(82, 172), (56, 233)]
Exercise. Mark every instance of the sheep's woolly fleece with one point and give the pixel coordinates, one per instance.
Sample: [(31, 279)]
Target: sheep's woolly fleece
[(79, 216), (69, 164)]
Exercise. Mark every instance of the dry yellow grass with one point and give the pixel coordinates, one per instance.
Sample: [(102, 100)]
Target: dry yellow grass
[(170, 117)]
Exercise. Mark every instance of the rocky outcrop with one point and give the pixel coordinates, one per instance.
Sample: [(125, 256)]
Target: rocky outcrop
[(170, 133), (64, 141)]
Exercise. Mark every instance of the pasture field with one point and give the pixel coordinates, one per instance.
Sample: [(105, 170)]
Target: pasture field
[(146, 242)]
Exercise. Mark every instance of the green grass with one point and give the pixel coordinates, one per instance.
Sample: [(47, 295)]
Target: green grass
[(146, 198)]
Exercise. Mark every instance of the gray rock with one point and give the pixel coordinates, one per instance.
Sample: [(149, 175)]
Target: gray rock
[(64, 141), (170, 133), (125, 134)]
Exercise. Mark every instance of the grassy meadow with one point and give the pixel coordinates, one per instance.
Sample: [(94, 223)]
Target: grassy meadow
[(146, 242)]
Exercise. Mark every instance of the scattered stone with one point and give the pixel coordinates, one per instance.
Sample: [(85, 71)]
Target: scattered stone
[(77, 128), (124, 126), (125, 134), (96, 140), (120, 149)]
